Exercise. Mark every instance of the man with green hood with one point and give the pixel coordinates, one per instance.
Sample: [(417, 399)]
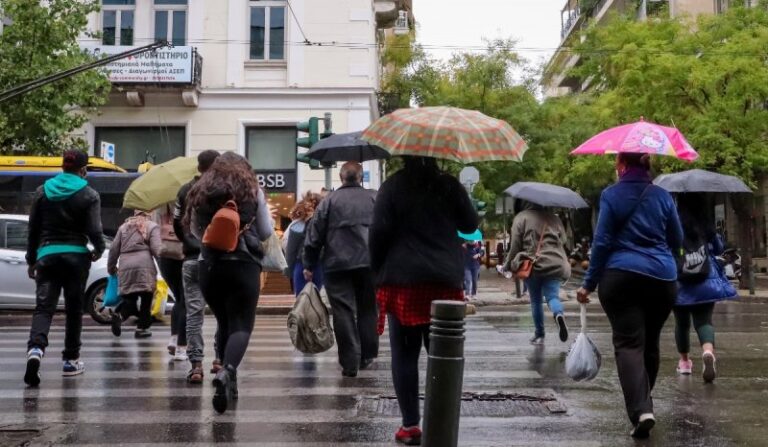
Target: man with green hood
[(65, 216)]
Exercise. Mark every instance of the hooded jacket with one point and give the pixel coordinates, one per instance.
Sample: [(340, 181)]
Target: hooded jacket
[(65, 216), (527, 229)]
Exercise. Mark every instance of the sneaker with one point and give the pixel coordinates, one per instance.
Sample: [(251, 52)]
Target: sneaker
[(643, 428), (366, 363), (708, 373), (172, 345), (685, 367), (181, 354), (32, 375), (73, 368), (116, 323), (408, 436), (537, 340), (142, 333), (560, 319)]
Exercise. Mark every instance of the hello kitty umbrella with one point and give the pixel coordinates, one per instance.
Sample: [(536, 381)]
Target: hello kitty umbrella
[(640, 137)]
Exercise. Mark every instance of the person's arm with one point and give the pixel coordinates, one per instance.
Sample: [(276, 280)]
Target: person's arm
[(674, 228), (602, 245), (35, 228), (317, 231), (179, 208), (516, 242), (93, 228), (381, 232), (263, 224), (114, 252), (155, 241), (717, 245)]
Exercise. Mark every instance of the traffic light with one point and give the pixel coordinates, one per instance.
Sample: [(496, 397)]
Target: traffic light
[(479, 206), (312, 128)]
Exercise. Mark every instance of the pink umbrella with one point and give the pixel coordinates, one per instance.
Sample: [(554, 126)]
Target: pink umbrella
[(640, 137)]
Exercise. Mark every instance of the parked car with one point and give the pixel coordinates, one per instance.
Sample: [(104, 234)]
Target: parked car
[(17, 290)]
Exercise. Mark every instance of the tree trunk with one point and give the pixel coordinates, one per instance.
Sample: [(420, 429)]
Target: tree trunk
[(743, 206)]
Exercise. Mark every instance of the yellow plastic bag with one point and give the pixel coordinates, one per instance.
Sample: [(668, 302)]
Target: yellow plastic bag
[(160, 300)]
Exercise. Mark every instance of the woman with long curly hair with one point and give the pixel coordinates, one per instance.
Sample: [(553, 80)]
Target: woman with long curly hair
[(295, 235), (230, 281)]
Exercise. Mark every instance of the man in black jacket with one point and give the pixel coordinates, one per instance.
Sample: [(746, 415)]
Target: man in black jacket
[(190, 276), (339, 230), (65, 216)]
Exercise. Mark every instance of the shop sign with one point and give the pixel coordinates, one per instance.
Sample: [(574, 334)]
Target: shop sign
[(277, 181), (162, 66)]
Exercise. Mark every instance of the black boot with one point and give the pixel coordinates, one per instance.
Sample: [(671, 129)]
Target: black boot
[(225, 383), (232, 382)]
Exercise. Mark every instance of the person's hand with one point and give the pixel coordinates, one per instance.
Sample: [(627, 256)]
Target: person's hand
[(582, 295), (95, 256), (112, 271), (31, 271), (308, 275)]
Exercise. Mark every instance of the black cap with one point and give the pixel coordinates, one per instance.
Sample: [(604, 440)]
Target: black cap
[(74, 160)]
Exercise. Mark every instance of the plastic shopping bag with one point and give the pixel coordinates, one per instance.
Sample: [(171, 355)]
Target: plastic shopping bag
[(583, 360), (160, 300), (111, 295)]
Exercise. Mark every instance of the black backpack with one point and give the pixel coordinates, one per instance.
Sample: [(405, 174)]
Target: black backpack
[(693, 265)]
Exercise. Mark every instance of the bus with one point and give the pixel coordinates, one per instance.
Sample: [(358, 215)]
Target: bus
[(12, 163)]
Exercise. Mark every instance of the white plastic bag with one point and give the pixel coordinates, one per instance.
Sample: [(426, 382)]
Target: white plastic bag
[(583, 360)]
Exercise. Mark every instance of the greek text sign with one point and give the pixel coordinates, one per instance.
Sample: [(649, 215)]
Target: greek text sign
[(166, 65)]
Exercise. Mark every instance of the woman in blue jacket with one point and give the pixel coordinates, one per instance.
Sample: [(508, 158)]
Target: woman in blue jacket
[(696, 297), (638, 231)]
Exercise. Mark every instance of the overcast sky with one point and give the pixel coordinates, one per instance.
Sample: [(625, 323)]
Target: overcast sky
[(535, 24)]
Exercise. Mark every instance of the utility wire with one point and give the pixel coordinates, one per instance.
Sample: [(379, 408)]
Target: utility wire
[(296, 19)]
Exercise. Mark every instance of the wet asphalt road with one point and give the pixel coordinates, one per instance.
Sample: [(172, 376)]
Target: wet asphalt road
[(132, 394)]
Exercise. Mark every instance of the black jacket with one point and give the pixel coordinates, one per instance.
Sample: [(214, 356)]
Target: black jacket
[(413, 238), (73, 221), (190, 242), (339, 229)]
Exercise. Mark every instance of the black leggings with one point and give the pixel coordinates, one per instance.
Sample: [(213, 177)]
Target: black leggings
[(171, 271), (637, 307), (406, 343), (231, 289), (129, 306)]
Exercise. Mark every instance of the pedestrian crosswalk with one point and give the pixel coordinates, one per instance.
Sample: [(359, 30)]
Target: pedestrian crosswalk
[(133, 393)]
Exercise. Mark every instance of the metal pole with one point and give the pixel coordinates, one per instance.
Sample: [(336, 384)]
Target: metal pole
[(445, 374), (328, 178)]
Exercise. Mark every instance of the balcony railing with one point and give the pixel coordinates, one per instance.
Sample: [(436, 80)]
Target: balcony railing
[(581, 9)]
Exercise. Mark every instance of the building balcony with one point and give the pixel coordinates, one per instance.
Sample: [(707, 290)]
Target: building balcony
[(175, 73), (388, 12), (576, 14)]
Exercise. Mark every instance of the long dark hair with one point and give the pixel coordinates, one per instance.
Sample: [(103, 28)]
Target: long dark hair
[(421, 171), (695, 217), (230, 177)]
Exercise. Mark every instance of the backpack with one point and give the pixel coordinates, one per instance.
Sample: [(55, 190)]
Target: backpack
[(170, 247), (309, 323), (693, 265), (223, 233)]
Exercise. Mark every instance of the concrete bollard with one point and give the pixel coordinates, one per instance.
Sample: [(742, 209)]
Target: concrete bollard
[(445, 374)]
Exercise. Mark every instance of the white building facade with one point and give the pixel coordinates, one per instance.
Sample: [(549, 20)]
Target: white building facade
[(241, 75)]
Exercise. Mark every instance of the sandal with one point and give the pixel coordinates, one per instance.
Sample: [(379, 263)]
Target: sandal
[(195, 375)]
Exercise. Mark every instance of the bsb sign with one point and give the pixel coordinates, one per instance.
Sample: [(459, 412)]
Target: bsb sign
[(163, 66), (277, 181)]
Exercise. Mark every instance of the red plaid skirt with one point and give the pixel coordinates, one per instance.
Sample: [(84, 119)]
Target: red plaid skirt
[(411, 304)]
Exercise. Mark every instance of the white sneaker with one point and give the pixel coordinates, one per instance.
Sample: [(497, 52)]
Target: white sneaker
[(181, 354), (72, 368), (172, 345), (709, 372)]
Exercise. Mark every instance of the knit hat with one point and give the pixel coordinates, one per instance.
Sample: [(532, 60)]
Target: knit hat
[(74, 160)]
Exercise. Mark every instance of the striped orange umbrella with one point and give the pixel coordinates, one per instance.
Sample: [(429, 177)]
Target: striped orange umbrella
[(450, 133)]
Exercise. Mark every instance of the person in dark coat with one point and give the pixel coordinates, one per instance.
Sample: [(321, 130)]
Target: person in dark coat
[(696, 298), (337, 239), (65, 216), (417, 258), (638, 232), (473, 255)]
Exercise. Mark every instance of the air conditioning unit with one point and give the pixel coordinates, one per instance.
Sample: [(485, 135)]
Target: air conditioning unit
[(401, 24)]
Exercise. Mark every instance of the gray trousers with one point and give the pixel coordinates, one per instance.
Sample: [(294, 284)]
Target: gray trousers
[(355, 316), (195, 310)]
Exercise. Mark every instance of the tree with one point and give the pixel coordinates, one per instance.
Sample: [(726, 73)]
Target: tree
[(42, 40)]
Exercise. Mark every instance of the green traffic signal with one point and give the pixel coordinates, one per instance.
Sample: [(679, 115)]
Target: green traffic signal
[(479, 206), (312, 128)]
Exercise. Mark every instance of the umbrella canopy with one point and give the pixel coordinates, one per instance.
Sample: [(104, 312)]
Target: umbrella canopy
[(346, 147), (547, 195), (465, 136), (640, 137), (698, 180), (160, 184), (477, 235)]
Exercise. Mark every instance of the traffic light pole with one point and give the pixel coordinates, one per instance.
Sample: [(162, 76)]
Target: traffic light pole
[(328, 178)]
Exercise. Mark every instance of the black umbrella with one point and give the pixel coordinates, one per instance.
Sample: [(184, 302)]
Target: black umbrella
[(547, 195), (346, 147), (698, 180)]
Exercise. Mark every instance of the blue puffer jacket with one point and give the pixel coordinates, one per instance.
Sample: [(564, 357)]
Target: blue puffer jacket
[(715, 288)]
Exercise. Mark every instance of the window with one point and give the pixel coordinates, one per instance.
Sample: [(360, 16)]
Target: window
[(117, 22), (271, 148), (171, 21), (16, 235), (134, 145), (267, 31)]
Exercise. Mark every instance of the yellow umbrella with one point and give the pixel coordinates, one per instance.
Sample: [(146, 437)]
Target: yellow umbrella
[(160, 185)]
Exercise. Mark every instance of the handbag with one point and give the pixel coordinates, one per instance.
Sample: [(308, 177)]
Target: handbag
[(171, 247), (111, 293), (526, 265), (274, 259)]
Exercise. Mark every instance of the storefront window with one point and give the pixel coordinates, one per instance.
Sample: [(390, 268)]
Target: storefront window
[(134, 145)]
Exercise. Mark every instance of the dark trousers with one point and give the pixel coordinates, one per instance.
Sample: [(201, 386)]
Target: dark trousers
[(637, 307), (54, 273), (355, 318), (171, 269), (129, 306), (701, 314), (406, 343), (231, 289)]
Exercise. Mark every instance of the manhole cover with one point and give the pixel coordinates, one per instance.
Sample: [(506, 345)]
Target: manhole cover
[(475, 405)]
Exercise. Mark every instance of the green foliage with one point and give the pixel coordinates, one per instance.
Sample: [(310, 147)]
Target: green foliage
[(42, 40)]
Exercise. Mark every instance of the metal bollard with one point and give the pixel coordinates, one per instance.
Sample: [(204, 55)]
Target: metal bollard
[(445, 374)]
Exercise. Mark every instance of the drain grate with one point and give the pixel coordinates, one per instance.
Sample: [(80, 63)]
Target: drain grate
[(475, 405)]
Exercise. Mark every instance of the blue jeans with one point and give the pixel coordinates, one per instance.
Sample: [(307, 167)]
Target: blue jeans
[(548, 289), (298, 278), (471, 275)]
